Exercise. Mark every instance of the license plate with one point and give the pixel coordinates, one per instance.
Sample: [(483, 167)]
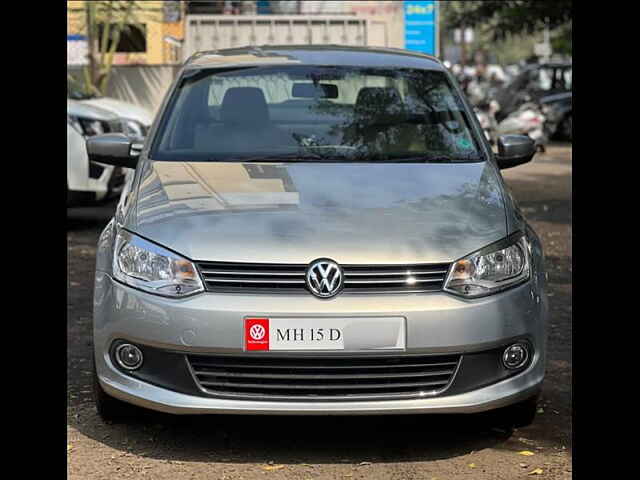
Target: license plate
[(352, 334)]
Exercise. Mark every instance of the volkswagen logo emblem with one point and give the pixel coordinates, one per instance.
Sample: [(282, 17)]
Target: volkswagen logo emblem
[(257, 332), (324, 278)]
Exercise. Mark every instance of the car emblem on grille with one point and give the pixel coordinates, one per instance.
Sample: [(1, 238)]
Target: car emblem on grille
[(324, 278)]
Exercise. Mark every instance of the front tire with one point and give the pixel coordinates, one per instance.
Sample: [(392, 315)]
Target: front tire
[(520, 414), (111, 410)]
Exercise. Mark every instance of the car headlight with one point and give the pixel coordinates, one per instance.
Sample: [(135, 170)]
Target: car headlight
[(494, 268), (147, 266), (134, 128), (86, 126), (73, 121)]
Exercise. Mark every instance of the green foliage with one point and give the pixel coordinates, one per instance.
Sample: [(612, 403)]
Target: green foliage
[(561, 42), (508, 29), (116, 16), (505, 17)]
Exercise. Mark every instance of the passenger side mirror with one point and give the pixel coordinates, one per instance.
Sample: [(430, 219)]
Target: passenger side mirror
[(514, 150), (114, 149)]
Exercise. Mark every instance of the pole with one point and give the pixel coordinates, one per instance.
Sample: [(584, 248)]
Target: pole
[(463, 47), (437, 29), (89, 20)]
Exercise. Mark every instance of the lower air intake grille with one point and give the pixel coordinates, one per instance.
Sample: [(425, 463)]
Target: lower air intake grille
[(326, 378)]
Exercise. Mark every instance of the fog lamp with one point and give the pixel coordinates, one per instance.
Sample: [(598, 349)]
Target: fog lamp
[(128, 356), (515, 356)]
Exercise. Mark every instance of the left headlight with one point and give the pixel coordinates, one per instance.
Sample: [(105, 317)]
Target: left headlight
[(494, 268), (147, 266)]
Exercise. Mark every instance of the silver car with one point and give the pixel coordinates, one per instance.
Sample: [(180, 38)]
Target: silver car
[(317, 230)]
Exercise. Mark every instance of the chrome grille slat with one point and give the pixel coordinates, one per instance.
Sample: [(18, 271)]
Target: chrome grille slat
[(252, 280), (406, 273), (425, 280), (295, 386), (323, 378), (290, 278), (242, 272), (196, 365)]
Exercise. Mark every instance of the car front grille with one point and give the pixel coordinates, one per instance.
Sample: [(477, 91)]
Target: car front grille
[(116, 182), (95, 170), (290, 278), (324, 378)]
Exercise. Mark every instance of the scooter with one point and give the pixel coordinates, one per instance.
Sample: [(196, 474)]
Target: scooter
[(486, 113), (528, 119)]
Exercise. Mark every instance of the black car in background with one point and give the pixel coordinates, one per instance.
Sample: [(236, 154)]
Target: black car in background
[(548, 84), (558, 113)]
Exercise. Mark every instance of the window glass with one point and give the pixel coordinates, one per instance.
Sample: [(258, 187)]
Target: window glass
[(315, 113)]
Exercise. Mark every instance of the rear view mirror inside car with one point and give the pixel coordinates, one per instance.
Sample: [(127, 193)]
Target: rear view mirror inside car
[(309, 90)]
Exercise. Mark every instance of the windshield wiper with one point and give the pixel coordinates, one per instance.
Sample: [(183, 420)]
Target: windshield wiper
[(271, 158), (438, 159)]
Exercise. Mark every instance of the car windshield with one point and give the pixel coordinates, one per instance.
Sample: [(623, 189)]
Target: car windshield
[(312, 113)]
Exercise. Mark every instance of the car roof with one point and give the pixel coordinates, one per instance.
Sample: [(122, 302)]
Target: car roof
[(328, 55)]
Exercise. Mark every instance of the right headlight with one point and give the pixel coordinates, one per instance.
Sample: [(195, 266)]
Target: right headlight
[(150, 267), (73, 121), (133, 128), (86, 126), (494, 268)]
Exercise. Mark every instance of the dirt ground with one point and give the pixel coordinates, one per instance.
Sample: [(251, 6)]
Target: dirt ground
[(387, 447)]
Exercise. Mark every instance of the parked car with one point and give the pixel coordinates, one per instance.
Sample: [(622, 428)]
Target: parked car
[(87, 181), (532, 84), (136, 120), (558, 110), (318, 230)]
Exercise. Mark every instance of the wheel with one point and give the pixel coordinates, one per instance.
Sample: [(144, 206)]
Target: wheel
[(111, 410), (567, 127), (519, 414)]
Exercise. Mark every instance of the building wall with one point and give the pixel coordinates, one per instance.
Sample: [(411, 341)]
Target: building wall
[(152, 15), (143, 85)]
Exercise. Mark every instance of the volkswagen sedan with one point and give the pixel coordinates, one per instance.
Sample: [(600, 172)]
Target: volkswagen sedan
[(317, 230)]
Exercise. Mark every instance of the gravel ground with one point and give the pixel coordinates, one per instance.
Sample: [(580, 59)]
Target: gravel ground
[(396, 447)]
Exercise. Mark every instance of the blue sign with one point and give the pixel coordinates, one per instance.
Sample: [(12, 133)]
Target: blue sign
[(420, 26)]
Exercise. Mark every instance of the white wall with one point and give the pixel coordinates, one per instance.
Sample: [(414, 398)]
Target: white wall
[(143, 85)]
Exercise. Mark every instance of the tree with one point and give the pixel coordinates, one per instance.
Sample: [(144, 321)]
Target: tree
[(105, 23), (505, 17)]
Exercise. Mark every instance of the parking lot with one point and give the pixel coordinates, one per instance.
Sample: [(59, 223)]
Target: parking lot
[(395, 447)]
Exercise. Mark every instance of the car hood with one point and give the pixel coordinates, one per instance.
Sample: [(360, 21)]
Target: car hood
[(122, 109), (80, 109), (298, 212)]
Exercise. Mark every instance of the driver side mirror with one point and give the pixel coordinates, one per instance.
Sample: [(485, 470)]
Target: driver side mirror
[(114, 149), (514, 150)]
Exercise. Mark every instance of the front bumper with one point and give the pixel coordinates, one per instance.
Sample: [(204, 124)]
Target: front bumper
[(212, 324)]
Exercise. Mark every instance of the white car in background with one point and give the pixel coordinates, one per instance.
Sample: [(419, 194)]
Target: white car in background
[(137, 120), (87, 181)]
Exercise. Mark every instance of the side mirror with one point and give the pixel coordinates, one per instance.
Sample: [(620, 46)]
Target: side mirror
[(114, 149), (514, 150)]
